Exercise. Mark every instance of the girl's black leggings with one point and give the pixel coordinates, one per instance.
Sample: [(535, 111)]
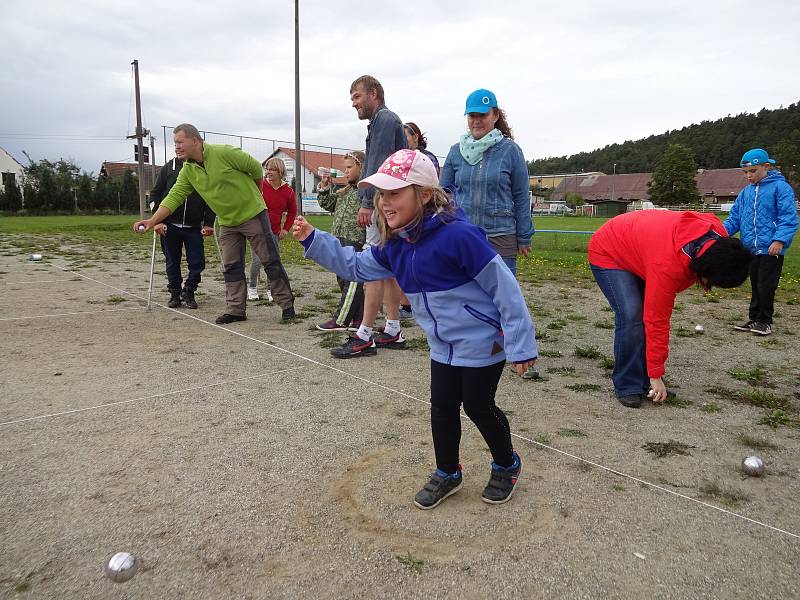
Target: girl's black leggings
[(474, 387)]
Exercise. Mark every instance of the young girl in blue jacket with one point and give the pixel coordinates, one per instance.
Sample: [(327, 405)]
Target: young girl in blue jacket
[(465, 299)]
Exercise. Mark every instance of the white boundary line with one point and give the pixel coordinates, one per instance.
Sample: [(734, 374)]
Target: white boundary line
[(410, 397), (162, 395), (81, 312), (36, 281)]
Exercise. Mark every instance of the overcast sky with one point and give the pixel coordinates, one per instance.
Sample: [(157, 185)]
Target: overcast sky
[(572, 75)]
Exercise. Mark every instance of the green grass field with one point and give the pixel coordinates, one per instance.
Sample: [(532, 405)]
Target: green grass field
[(555, 256)]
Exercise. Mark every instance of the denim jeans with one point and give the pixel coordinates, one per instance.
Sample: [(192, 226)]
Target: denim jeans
[(512, 264), (172, 244), (625, 294)]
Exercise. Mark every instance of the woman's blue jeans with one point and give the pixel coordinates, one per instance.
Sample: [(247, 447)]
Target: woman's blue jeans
[(625, 294)]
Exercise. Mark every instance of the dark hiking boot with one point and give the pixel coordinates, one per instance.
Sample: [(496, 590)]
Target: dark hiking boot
[(226, 318), (502, 482), (439, 486), (188, 299), (174, 299), (288, 314), (632, 401), (355, 346)]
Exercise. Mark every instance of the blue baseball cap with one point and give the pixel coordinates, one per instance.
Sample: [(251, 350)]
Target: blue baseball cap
[(480, 101), (754, 157)]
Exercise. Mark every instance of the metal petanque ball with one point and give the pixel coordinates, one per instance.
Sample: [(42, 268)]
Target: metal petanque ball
[(699, 329), (121, 567), (753, 466), (35, 257), (141, 228)]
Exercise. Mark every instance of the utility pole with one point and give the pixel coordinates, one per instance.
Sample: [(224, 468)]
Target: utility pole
[(140, 134), (152, 162), (298, 169)]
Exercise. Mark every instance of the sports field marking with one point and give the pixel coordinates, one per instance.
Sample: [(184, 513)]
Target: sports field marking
[(33, 281), (410, 397), (67, 314), (150, 397)]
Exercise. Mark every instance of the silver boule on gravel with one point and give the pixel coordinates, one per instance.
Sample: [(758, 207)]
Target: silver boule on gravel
[(753, 466), (35, 257), (699, 329), (121, 567)]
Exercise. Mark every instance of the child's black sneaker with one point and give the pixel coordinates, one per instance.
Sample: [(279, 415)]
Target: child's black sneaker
[(746, 326), (502, 482), (393, 342), (439, 486), (355, 346)]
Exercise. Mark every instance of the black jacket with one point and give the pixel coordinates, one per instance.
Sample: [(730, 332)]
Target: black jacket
[(194, 212)]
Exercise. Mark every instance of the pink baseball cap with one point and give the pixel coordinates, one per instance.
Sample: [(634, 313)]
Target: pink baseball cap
[(401, 169)]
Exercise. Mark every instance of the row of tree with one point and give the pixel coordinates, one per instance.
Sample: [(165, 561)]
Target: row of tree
[(712, 144), (61, 187)]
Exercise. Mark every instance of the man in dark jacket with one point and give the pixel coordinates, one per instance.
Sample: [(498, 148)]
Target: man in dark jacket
[(183, 228)]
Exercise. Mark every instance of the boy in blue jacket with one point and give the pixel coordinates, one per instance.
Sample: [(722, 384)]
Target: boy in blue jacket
[(765, 215), (465, 299)]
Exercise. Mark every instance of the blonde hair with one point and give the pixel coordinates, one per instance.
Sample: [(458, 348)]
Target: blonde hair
[(277, 164), (358, 157), (439, 203)]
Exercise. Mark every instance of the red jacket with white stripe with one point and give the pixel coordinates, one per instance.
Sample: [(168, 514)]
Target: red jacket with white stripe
[(649, 244)]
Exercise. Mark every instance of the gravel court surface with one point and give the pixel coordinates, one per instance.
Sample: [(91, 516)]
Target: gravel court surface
[(197, 486)]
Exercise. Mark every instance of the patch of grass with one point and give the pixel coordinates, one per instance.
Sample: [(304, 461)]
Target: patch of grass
[(331, 340), (537, 310), (710, 407), (754, 397), (550, 353), (587, 352), (681, 331), (778, 418), (541, 334), (571, 433), (116, 299), (556, 325), (603, 325), (324, 296), (677, 402), (405, 323), (574, 317), (560, 370), (725, 495), (670, 448), (583, 387), (417, 343), (542, 438), (756, 443), (607, 362), (402, 412), (298, 317), (756, 376), (413, 563), (391, 436)]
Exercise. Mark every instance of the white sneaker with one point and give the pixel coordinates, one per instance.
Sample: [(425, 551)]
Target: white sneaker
[(252, 294), (269, 296)]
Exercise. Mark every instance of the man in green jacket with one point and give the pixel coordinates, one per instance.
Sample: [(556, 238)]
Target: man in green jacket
[(229, 180)]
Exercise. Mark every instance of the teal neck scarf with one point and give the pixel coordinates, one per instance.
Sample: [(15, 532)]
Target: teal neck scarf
[(472, 150)]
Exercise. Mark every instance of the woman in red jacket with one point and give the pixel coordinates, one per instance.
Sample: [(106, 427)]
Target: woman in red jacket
[(280, 199), (641, 260)]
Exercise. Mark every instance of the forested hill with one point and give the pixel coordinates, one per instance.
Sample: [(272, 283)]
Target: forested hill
[(716, 145)]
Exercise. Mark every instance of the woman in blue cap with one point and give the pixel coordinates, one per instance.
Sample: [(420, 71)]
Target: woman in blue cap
[(488, 177)]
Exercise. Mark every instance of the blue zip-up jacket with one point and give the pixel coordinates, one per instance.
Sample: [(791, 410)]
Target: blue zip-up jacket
[(463, 295), (493, 193), (385, 136), (763, 213)]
